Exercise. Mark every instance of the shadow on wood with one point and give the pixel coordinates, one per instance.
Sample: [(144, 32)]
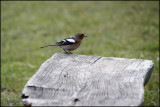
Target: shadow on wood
[(79, 80)]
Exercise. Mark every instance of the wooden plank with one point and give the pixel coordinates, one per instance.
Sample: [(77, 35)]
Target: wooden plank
[(79, 80)]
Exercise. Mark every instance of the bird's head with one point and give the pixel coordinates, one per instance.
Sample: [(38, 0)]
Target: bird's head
[(79, 36)]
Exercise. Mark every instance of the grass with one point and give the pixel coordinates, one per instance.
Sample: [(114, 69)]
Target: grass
[(114, 29)]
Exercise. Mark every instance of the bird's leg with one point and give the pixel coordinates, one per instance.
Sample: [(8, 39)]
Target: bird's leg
[(70, 52), (65, 51)]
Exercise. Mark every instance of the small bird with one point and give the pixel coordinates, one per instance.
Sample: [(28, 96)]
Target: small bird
[(70, 43)]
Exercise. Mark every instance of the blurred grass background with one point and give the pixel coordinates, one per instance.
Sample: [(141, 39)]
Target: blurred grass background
[(114, 29)]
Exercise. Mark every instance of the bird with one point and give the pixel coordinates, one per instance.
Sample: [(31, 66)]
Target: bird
[(69, 44)]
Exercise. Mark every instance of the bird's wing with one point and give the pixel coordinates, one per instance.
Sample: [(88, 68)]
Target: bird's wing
[(67, 41)]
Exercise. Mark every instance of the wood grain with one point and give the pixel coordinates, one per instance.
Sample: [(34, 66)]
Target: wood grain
[(79, 80)]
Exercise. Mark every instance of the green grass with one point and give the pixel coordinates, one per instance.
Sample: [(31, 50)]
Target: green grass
[(114, 29)]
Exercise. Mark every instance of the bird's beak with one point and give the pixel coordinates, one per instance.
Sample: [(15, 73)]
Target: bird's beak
[(85, 35)]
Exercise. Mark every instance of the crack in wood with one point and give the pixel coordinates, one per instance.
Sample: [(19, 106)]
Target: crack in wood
[(24, 96), (96, 60)]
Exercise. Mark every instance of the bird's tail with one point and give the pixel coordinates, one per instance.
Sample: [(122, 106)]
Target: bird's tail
[(48, 45)]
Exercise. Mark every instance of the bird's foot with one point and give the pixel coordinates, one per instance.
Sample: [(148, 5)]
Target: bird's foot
[(66, 52)]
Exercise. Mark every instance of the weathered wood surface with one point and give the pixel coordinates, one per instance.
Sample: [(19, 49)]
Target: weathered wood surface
[(79, 80)]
